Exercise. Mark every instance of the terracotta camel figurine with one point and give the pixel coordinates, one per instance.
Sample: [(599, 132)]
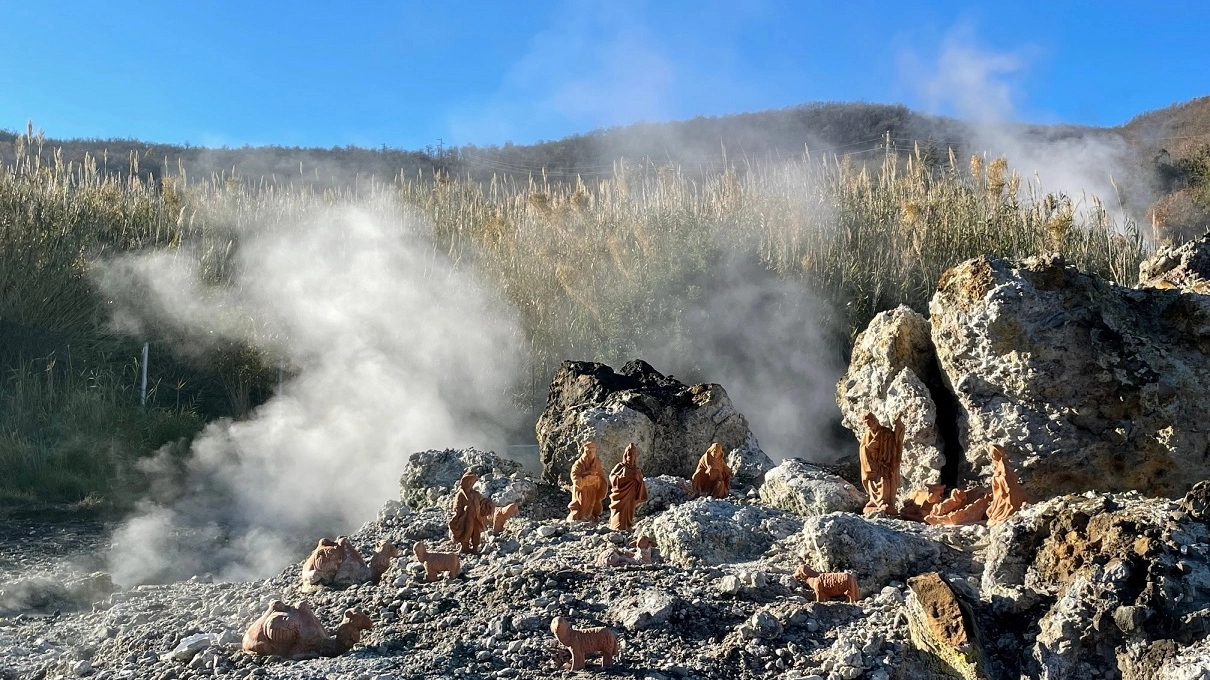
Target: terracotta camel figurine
[(296, 633), (828, 584), (437, 562), (585, 641), (337, 564)]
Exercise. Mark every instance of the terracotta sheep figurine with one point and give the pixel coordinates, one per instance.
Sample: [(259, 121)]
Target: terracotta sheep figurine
[(828, 584), (499, 516), (585, 641), (436, 562)]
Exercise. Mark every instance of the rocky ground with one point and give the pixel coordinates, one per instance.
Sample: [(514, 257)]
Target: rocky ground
[(1097, 586)]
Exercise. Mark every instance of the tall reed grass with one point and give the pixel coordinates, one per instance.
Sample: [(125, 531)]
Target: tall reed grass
[(592, 269)]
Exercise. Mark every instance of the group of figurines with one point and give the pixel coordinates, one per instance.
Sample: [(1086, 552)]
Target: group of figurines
[(295, 632), (881, 451)]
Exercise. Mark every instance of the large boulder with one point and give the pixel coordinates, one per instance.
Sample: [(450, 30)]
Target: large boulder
[(1185, 267), (1086, 384), (877, 551), (708, 531), (432, 475), (943, 631), (1124, 573), (889, 372), (804, 489), (671, 424)]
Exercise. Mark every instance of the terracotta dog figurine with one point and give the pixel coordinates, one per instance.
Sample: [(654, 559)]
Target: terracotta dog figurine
[(585, 641), (436, 562), (828, 584)]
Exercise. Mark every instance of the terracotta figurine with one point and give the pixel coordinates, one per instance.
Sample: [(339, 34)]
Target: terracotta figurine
[(880, 451), (628, 490), (961, 507), (588, 487), (644, 553), (468, 522), (585, 641), (828, 584), (712, 477), (381, 560), (321, 565), (921, 502), (296, 633), (437, 562), (500, 516), (337, 564), (1007, 494)]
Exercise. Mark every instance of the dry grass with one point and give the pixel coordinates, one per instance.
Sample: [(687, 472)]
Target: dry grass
[(593, 270)]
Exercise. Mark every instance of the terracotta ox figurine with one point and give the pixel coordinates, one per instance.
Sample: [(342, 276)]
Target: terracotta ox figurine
[(585, 641), (437, 562), (828, 584), (296, 633)]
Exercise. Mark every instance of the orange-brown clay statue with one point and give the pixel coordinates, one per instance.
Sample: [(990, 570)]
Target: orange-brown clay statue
[(585, 641), (628, 490), (500, 516), (589, 487), (296, 633), (468, 521), (437, 562), (880, 452), (921, 502), (712, 477), (1007, 494), (960, 507), (644, 552), (381, 560), (828, 584), (337, 564)]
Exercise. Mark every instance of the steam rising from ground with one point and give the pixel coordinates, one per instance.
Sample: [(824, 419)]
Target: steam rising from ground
[(394, 351)]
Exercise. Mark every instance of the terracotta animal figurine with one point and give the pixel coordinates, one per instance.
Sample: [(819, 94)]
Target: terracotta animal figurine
[(644, 552), (713, 476), (296, 633), (321, 565), (921, 502), (961, 507), (628, 490), (437, 562), (585, 641), (500, 516), (828, 584), (468, 521), (589, 487), (381, 560), (880, 452), (348, 633), (1007, 494)]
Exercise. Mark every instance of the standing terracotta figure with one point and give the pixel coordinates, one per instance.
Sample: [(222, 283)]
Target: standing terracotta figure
[(1007, 494), (880, 451), (712, 477), (468, 521), (628, 490), (588, 487)]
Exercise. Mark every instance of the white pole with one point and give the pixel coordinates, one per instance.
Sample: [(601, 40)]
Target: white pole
[(143, 379)]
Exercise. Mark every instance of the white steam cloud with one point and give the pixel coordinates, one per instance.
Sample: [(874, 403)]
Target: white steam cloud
[(983, 87), (394, 351)]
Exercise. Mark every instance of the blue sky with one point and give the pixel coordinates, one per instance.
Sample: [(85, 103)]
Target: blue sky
[(406, 74)]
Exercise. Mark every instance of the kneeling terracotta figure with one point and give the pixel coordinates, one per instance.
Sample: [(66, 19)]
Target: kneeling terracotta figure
[(828, 584), (296, 633), (437, 562), (585, 641)]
